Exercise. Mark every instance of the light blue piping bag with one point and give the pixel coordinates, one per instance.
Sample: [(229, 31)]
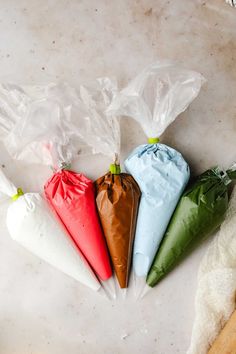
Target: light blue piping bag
[(162, 175), (154, 99)]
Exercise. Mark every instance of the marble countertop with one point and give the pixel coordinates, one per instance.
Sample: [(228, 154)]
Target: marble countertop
[(41, 310)]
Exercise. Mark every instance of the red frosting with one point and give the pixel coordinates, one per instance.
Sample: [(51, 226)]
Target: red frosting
[(72, 196)]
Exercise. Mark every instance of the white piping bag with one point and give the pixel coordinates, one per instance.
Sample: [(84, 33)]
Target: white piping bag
[(38, 125), (31, 224)]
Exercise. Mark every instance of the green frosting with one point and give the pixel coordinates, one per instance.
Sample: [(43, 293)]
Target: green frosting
[(199, 212)]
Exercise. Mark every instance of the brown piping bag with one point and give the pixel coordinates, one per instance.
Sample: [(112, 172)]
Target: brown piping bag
[(117, 194), (117, 202)]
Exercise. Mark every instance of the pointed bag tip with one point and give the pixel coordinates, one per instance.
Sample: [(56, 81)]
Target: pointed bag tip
[(145, 291), (153, 278), (123, 293), (139, 285), (109, 288), (103, 293)]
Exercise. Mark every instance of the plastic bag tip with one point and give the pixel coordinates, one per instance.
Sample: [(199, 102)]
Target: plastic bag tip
[(109, 288), (123, 293), (145, 291), (139, 285)]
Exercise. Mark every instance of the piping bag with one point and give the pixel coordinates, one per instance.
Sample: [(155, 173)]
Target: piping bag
[(154, 99), (31, 223), (39, 129), (117, 193), (198, 214)]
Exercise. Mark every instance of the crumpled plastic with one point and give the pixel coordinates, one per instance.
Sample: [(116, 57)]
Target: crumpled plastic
[(199, 212), (117, 194), (38, 124), (31, 223), (154, 99)]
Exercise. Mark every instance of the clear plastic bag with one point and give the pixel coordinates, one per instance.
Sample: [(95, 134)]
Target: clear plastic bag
[(40, 125), (36, 123), (32, 225), (154, 98), (117, 193), (100, 130)]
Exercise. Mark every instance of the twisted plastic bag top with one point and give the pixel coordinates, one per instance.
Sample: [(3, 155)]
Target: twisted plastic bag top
[(6, 186), (36, 123), (156, 96), (97, 127)]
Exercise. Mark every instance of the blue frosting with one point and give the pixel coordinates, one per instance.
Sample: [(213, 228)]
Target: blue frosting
[(162, 174)]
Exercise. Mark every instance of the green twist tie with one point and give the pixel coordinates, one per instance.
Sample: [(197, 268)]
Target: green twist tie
[(153, 140), (65, 166), (16, 196), (223, 175), (115, 169)]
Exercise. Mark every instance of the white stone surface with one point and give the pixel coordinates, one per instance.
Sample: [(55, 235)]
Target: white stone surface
[(41, 310)]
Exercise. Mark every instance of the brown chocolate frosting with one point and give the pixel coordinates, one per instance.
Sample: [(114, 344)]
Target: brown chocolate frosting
[(117, 202)]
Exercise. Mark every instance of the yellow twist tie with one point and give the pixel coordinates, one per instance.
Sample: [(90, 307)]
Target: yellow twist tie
[(115, 169), (153, 140), (16, 196)]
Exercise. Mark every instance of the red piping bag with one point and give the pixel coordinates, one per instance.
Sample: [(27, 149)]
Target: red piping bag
[(72, 196), (117, 193), (41, 129)]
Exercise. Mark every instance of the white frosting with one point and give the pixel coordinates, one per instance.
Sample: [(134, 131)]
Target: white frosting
[(31, 223)]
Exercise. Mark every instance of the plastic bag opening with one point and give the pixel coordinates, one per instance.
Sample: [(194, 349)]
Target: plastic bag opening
[(38, 125), (99, 129), (156, 96)]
